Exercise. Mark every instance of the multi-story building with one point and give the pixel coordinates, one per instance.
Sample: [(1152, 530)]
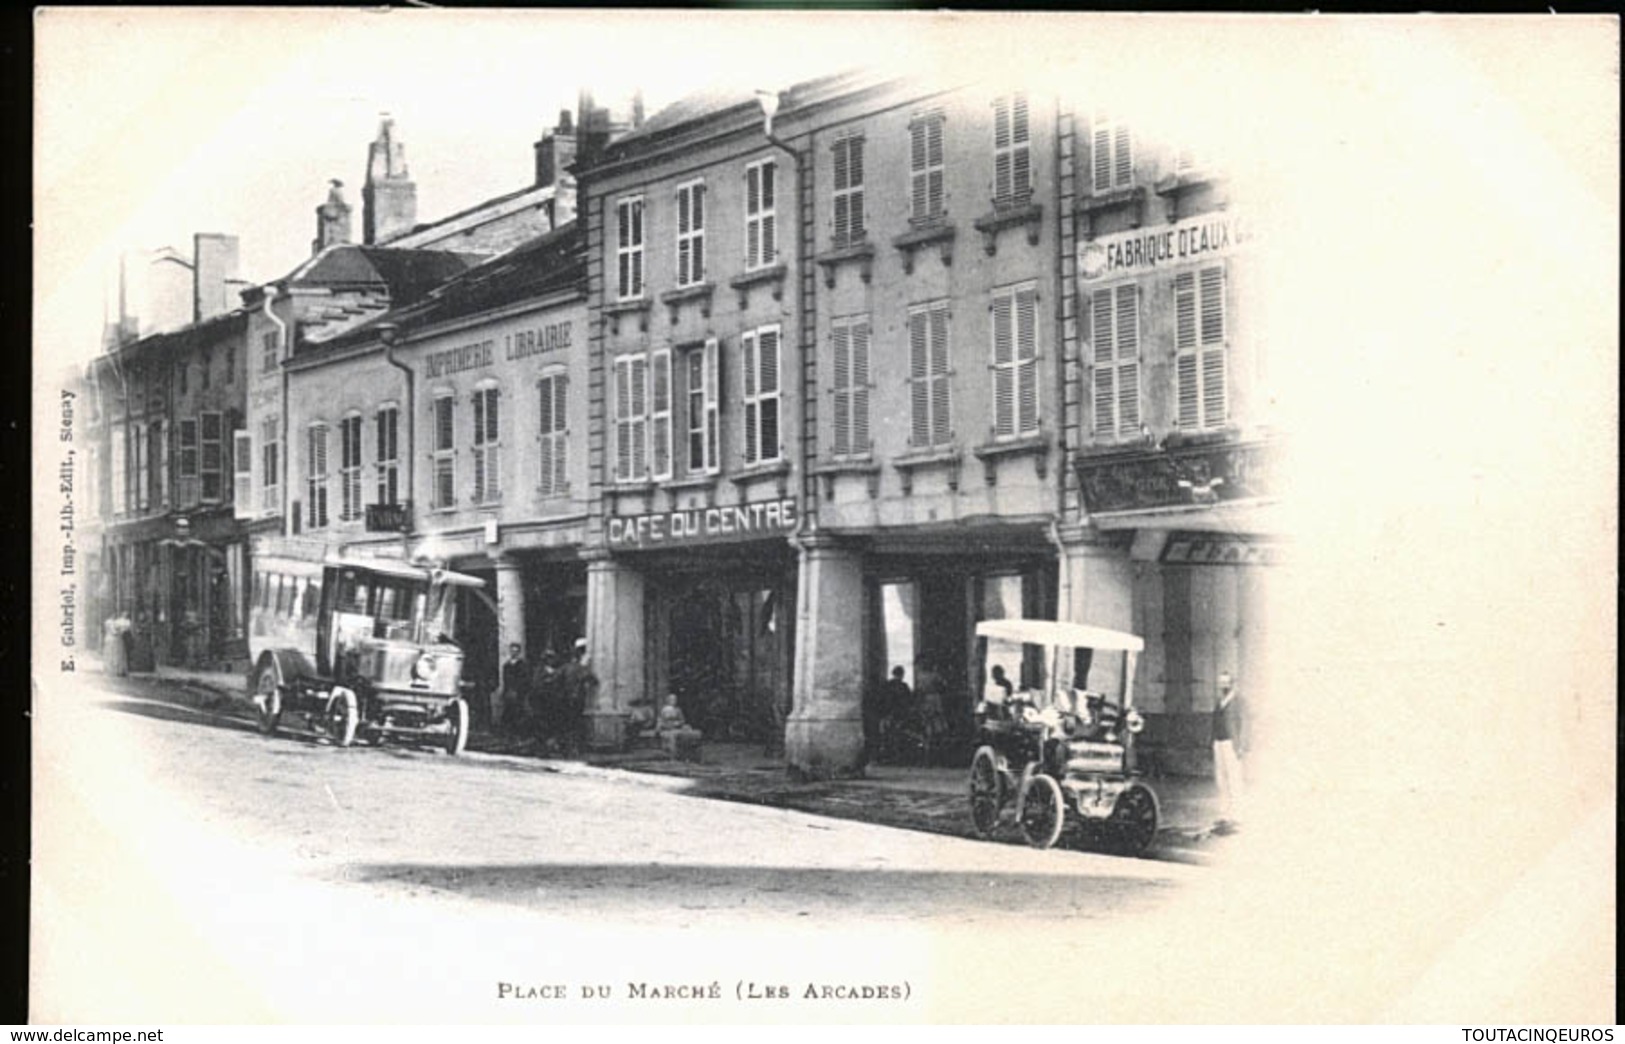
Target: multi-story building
[(864, 359), (453, 429), (164, 423)]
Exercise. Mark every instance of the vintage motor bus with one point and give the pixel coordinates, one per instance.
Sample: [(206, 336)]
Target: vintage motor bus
[(359, 649)]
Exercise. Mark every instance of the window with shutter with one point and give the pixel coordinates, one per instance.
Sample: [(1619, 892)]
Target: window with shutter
[(660, 413), (691, 233), (700, 384), (269, 352), (632, 418), (386, 448), (929, 388), (1113, 153), (350, 468), (927, 202), (211, 460), (270, 466), (760, 349), (1199, 344), (623, 418), (142, 481), (1115, 360), (316, 476), (444, 451), (848, 191), (1012, 151), (629, 248), (761, 228), (553, 475), (242, 476), (849, 343), (487, 446), (1015, 362)]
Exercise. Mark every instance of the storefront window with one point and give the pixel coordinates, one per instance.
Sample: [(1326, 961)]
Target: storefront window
[(899, 611)]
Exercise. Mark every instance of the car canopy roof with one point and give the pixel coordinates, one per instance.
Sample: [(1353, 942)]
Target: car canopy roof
[(407, 571), (1059, 632)]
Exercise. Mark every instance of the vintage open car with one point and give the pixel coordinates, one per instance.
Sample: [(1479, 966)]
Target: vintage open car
[(373, 660), (1055, 732)]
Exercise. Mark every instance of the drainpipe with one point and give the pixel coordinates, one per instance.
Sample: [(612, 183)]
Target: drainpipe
[(287, 436), (389, 334)]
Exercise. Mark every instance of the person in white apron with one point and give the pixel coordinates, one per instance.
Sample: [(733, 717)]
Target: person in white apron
[(1227, 727)]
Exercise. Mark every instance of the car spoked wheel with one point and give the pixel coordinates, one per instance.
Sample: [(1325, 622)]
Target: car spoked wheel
[(342, 716), (457, 718), (1134, 819), (267, 698), (986, 792), (1041, 812)]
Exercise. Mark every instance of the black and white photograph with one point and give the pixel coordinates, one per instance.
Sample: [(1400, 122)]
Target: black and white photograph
[(800, 517)]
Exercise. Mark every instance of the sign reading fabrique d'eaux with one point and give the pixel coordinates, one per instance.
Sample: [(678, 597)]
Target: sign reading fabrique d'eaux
[(1143, 250), (702, 525), (515, 346)]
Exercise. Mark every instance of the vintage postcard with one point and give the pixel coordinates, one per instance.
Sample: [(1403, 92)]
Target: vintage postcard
[(563, 517)]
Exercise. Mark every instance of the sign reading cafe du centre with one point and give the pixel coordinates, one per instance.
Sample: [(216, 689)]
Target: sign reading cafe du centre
[(1137, 252), (712, 525)]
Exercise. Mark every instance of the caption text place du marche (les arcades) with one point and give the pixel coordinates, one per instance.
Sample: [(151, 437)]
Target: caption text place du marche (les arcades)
[(743, 990)]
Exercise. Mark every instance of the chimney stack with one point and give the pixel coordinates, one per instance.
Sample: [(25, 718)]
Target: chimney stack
[(389, 198), (214, 269), (555, 151), (332, 219)]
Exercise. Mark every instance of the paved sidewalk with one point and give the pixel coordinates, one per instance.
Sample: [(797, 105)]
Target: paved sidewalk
[(914, 798)]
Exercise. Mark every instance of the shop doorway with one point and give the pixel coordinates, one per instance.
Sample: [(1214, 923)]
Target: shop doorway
[(725, 659)]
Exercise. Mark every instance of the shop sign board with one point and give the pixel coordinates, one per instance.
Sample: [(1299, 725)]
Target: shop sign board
[(712, 525), (1148, 250)]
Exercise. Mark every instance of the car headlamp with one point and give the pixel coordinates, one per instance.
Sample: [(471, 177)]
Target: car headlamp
[(1134, 720), (423, 668)]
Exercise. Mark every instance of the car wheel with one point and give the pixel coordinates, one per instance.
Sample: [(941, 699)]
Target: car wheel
[(1042, 812), (268, 697), (457, 716), (1134, 819), (342, 716), (986, 792)]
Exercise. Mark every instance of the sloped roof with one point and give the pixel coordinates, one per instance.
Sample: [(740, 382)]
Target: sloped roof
[(548, 263), (407, 274)]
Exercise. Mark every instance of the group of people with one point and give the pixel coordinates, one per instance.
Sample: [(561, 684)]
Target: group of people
[(904, 724), (547, 703)]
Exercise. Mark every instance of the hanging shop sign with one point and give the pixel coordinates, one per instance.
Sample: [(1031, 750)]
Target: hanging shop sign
[(1219, 549), (712, 525), (1190, 476), (1142, 250)]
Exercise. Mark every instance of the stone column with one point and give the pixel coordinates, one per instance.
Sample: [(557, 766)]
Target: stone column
[(824, 736), (1097, 588), (510, 599), (614, 645)]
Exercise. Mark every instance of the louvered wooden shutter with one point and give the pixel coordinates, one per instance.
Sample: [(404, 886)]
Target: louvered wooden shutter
[(1186, 345), (1026, 329), (1103, 370), (242, 485), (640, 417), (561, 433), (1021, 153), (545, 438), (660, 415), (1122, 157), (1213, 354), (767, 350), (623, 418), (1128, 359), (918, 184), (919, 371), (1001, 150), (748, 350), (683, 253), (841, 348), (770, 238), (940, 420), (860, 388), (1101, 150), (1004, 375)]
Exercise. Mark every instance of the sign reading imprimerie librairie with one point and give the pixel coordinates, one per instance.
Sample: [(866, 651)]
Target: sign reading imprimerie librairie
[(702, 525), (515, 346), (1142, 250)]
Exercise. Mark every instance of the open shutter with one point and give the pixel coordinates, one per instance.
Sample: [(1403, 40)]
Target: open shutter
[(544, 435), (841, 347), (1026, 330), (1001, 149), (1004, 375), (1187, 347), (748, 349), (1101, 148), (1020, 153), (660, 415), (1122, 157), (1104, 372), (1128, 359), (242, 475), (767, 379), (860, 388), (941, 430), (919, 375), (561, 433), (623, 418), (640, 417)]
